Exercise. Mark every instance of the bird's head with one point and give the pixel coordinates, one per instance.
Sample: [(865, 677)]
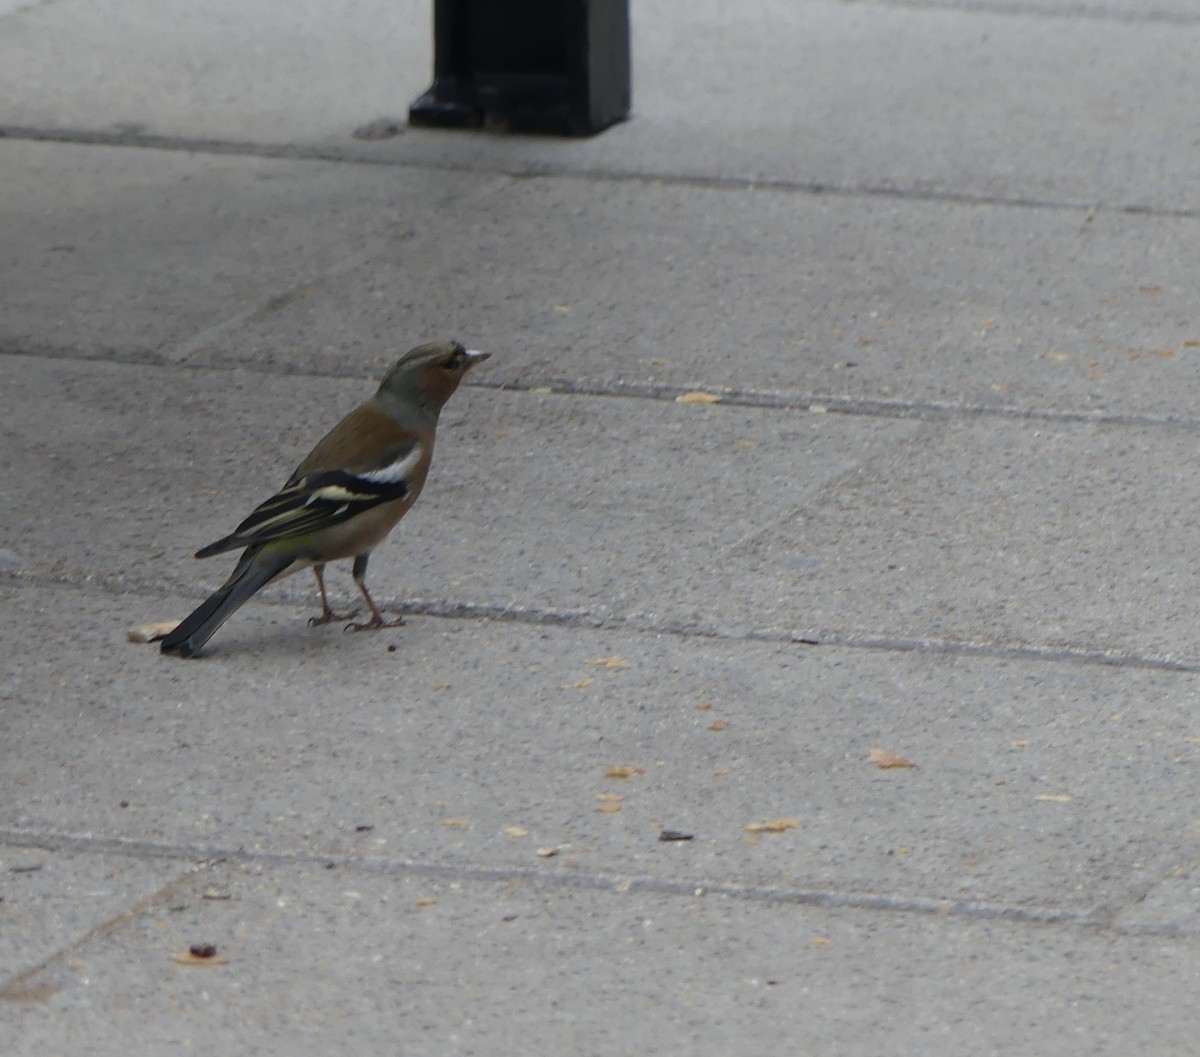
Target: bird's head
[(429, 374)]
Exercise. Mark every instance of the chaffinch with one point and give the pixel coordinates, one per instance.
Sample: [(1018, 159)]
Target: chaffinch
[(344, 498)]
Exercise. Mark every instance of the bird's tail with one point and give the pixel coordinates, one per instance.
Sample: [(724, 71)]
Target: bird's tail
[(253, 572)]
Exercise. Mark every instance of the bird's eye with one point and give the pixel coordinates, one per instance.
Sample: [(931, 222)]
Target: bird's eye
[(453, 363)]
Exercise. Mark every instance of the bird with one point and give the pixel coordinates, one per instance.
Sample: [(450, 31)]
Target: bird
[(342, 500)]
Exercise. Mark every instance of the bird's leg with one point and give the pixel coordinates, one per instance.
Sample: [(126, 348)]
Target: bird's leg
[(377, 619), (327, 614)]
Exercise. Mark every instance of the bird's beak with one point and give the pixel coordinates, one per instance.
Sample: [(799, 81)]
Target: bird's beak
[(475, 357)]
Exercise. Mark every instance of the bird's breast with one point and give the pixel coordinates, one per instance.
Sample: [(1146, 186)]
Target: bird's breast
[(365, 531)]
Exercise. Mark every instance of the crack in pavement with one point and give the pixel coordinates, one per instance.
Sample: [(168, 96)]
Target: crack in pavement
[(14, 989)]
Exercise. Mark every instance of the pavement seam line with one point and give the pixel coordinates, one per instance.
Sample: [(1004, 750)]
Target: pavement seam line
[(758, 399), (819, 403), (1027, 10), (13, 990), (751, 893), (351, 156), (638, 623)]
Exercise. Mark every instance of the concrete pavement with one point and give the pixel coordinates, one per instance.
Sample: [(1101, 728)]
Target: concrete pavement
[(933, 258)]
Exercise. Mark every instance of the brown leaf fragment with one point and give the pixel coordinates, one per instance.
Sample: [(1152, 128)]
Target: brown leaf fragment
[(717, 724), (151, 632), (609, 807), (776, 825), (884, 760), (456, 823), (516, 831), (200, 954), (607, 662), (426, 901), (27, 995), (624, 770), (698, 397)]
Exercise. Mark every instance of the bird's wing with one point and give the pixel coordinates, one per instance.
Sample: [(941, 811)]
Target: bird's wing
[(323, 498)]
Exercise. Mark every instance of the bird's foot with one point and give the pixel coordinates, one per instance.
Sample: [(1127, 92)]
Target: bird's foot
[(328, 616), (377, 621)]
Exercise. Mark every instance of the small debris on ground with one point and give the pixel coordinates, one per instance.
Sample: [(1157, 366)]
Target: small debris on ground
[(200, 954), (776, 825), (380, 128), (152, 632), (884, 760)]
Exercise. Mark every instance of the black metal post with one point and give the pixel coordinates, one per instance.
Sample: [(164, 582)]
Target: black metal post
[(552, 66)]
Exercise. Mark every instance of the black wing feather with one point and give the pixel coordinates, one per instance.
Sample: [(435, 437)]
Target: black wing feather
[(314, 501)]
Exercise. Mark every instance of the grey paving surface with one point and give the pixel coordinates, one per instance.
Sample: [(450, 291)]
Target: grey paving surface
[(935, 258), (1060, 794), (517, 967)]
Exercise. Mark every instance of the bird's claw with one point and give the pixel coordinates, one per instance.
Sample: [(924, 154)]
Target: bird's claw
[(329, 616), (374, 624)]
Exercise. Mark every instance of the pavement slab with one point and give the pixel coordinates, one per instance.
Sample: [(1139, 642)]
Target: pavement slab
[(318, 959), (1042, 790), (780, 297), (932, 99), (730, 520)]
